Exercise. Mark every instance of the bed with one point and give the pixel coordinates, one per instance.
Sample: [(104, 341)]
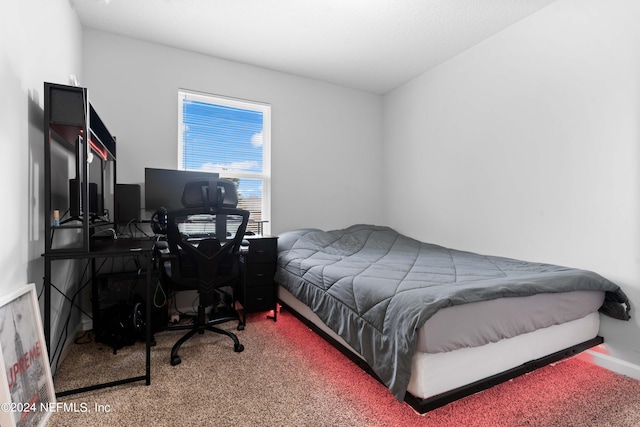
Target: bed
[(434, 324)]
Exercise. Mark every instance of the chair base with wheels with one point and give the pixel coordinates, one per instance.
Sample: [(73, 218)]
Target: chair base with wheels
[(199, 326)]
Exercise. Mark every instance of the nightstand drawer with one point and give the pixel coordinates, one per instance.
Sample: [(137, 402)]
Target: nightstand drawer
[(262, 250), (259, 274), (261, 298)]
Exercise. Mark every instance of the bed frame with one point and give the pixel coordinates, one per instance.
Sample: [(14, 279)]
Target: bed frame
[(425, 405)]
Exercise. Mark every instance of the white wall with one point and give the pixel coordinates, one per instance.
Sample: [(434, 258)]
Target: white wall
[(527, 146), (326, 139), (40, 40)]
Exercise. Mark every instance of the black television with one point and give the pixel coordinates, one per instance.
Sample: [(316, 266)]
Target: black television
[(164, 187)]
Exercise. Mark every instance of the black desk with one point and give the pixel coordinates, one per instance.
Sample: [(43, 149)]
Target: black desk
[(140, 248)]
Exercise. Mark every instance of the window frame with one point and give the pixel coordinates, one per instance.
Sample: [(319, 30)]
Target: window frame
[(265, 176)]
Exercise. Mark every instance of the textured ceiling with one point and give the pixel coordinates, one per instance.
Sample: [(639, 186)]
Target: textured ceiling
[(373, 45)]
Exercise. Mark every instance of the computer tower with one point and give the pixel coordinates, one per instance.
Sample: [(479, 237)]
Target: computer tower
[(127, 203), (121, 308)]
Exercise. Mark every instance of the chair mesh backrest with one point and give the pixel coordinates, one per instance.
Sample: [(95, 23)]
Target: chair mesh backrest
[(220, 261), (208, 247), (189, 259)]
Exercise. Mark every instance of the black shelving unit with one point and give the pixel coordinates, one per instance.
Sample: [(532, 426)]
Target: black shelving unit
[(80, 157), (73, 124)]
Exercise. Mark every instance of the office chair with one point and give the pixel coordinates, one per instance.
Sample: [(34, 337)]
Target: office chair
[(206, 261)]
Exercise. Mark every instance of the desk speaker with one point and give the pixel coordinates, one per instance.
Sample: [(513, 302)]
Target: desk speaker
[(127, 203)]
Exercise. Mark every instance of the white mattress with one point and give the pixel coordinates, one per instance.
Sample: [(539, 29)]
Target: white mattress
[(449, 356), (435, 373)]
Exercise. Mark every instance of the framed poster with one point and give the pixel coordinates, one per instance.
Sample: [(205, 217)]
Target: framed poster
[(26, 390)]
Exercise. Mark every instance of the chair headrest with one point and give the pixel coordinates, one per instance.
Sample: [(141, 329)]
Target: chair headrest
[(209, 193)]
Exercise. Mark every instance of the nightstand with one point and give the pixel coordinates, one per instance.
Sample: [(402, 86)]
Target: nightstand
[(257, 290)]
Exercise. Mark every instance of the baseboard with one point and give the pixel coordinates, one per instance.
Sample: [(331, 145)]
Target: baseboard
[(81, 328), (611, 363), (85, 325)]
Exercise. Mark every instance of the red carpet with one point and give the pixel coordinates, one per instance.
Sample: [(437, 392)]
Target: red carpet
[(569, 393)]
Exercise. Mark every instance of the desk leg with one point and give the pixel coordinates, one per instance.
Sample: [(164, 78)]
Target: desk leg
[(47, 305), (95, 300), (148, 320)]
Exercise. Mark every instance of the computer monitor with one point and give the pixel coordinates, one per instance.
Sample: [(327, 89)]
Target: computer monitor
[(164, 187)]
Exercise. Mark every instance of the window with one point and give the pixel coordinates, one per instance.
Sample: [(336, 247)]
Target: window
[(231, 137)]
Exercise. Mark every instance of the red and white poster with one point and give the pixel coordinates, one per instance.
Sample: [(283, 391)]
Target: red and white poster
[(27, 391)]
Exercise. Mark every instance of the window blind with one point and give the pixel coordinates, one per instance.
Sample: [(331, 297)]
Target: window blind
[(230, 137)]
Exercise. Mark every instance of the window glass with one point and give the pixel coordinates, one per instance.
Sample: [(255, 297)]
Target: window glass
[(231, 137)]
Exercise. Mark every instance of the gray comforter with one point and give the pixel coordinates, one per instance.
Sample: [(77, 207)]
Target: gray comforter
[(376, 288)]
